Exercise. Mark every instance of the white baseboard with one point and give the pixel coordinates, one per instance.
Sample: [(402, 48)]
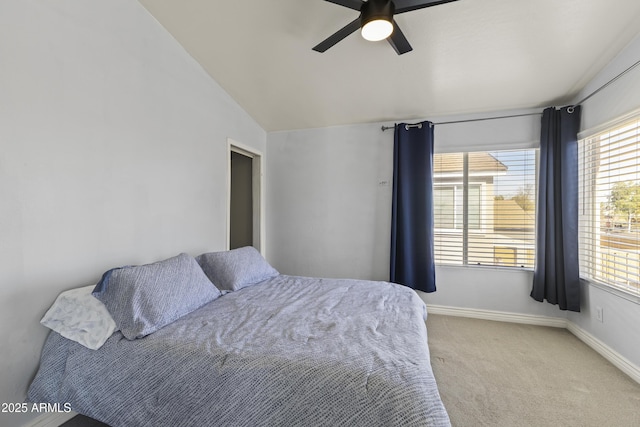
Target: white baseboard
[(605, 351), (498, 316), (51, 419), (601, 348)]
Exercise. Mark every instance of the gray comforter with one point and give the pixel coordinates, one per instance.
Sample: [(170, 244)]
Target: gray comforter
[(289, 351)]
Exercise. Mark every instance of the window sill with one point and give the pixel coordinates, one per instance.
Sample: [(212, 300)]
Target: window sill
[(486, 266), (612, 290)]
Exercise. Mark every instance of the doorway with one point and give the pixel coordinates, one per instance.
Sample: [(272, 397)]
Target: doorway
[(245, 197)]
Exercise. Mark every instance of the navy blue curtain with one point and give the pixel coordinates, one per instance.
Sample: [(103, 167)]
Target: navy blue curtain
[(412, 257), (556, 276)]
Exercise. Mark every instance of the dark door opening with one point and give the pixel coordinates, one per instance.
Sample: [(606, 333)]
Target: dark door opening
[(241, 205)]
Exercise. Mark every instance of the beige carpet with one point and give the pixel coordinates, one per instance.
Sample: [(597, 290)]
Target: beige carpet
[(505, 374)]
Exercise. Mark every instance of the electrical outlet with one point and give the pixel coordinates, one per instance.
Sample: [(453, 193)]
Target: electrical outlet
[(599, 314)]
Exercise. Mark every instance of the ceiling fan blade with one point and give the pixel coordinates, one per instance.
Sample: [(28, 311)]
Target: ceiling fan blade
[(351, 4), (338, 36), (398, 41), (403, 6)]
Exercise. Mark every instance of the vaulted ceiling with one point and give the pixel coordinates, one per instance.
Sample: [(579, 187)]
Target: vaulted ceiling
[(468, 56)]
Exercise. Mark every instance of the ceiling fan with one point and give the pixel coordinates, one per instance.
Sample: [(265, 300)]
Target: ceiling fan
[(376, 21)]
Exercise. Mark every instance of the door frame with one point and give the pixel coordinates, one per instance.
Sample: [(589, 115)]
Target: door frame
[(257, 185)]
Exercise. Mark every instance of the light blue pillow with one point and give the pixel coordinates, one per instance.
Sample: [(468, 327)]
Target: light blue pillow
[(143, 299), (236, 269)]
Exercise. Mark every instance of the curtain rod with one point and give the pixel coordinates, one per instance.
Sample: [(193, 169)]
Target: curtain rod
[(468, 120), (607, 83), (534, 114)]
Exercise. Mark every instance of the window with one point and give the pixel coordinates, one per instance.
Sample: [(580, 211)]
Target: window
[(609, 217), (484, 207)]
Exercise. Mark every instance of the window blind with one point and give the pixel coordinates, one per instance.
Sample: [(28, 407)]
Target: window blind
[(484, 208), (609, 217)]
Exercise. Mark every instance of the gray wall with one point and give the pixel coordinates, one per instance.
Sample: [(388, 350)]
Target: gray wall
[(329, 201), (113, 150)]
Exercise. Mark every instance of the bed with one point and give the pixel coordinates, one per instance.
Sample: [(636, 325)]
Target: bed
[(282, 351)]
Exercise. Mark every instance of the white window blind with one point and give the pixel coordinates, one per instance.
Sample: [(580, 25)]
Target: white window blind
[(484, 206), (609, 227)]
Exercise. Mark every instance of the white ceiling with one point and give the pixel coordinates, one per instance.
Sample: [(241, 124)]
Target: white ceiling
[(468, 56)]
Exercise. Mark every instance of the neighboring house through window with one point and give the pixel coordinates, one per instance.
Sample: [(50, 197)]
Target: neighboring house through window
[(484, 208)]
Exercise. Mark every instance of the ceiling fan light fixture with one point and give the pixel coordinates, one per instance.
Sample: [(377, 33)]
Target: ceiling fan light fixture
[(377, 19), (377, 30)]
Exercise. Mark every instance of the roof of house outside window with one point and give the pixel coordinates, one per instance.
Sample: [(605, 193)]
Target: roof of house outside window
[(478, 162)]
